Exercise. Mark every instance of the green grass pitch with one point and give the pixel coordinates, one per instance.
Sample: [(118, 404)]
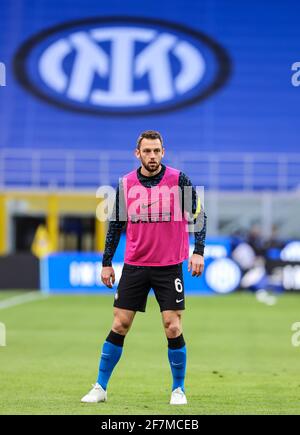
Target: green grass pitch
[(240, 357)]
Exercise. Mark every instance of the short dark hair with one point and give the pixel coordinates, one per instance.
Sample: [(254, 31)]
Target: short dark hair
[(149, 134)]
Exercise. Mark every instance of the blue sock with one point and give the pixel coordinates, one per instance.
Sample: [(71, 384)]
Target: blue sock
[(177, 359), (110, 356)]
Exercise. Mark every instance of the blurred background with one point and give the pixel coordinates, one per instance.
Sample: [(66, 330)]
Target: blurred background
[(83, 79)]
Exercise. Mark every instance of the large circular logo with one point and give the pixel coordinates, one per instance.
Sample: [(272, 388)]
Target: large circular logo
[(223, 275), (121, 66)]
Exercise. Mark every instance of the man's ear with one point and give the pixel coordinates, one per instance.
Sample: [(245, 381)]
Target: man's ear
[(163, 152), (137, 153)]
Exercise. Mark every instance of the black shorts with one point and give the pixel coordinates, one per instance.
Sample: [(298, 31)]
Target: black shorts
[(136, 282)]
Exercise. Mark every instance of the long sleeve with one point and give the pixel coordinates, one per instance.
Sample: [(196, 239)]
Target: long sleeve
[(190, 203), (115, 228)]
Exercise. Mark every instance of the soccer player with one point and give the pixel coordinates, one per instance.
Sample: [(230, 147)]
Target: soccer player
[(156, 245)]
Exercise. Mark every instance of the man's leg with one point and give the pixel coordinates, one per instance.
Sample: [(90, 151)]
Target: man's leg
[(176, 349), (111, 354), (113, 346)]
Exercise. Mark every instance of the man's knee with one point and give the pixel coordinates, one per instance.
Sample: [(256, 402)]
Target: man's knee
[(121, 323), (173, 326), (120, 326)]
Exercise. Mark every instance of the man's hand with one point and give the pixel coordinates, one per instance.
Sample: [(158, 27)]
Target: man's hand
[(196, 264), (108, 276)]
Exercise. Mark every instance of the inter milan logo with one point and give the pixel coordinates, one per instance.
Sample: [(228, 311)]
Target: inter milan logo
[(121, 66)]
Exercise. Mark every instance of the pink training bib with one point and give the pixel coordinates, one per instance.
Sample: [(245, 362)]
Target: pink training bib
[(157, 230)]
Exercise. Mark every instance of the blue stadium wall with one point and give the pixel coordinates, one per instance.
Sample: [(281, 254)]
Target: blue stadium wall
[(239, 99)]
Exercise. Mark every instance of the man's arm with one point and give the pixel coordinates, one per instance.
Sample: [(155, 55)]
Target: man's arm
[(200, 236), (191, 204), (113, 237)]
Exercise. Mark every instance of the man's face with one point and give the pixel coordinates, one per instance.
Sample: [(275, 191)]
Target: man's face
[(150, 153)]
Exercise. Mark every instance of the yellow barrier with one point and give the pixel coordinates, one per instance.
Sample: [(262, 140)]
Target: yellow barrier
[(53, 205), (3, 225), (53, 222)]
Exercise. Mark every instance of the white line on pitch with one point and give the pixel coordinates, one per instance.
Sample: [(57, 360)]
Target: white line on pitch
[(22, 299)]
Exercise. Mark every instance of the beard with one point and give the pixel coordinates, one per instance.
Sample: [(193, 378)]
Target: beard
[(151, 166)]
